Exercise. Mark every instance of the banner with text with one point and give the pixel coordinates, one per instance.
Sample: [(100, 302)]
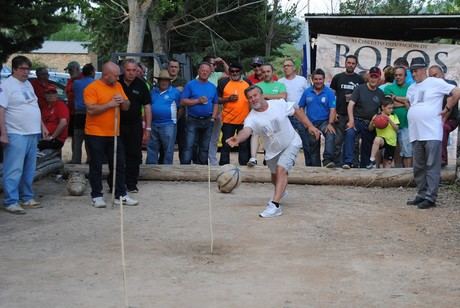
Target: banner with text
[(331, 52)]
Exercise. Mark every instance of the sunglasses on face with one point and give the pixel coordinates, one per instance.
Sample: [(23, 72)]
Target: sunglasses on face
[(234, 71), (256, 65)]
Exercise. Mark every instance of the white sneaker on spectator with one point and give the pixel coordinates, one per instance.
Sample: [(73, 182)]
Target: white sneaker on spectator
[(98, 202), (271, 211), (15, 209), (127, 200), (30, 204), (252, 162)]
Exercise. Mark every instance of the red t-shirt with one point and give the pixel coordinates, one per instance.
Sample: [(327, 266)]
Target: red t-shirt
[(253, 79), (51, 115), (39, 90)]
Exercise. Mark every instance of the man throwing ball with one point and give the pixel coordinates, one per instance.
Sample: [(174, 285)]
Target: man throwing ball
[(269, 119)]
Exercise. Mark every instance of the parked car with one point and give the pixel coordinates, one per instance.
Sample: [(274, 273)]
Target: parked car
[(60, 89)]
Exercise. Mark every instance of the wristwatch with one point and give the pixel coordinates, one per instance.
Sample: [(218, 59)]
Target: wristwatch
[(148, 128)]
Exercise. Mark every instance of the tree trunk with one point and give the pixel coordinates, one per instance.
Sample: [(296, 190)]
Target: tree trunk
[(271, 29), (394, 177), (159, 37), (138, 10)]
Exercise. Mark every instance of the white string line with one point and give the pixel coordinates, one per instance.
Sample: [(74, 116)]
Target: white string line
[(122, 225), (210, 207), (123, 260)]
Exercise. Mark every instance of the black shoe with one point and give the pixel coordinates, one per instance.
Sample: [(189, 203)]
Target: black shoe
[(415, 201), (426, 204)]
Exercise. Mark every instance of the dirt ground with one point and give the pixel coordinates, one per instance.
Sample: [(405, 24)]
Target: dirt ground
[(333, 247)]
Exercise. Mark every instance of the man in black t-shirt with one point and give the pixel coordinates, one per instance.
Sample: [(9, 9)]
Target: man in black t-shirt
[(363, 105), (131, 130), (343, 84)]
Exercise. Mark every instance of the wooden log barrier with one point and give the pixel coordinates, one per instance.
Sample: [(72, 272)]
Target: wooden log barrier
[(394, 177)]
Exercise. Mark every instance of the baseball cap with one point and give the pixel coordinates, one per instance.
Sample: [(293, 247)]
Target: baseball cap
[(236, 65), (417, 62), (257, 60), (375, 72), (72, 65)]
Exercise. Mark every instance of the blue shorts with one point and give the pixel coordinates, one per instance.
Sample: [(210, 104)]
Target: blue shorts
[(404, 143)]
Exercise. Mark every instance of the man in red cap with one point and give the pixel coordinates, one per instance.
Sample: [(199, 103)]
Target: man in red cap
[(55, 120), (364, 104)]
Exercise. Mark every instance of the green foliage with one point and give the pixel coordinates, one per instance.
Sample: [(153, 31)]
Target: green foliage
[(25, 23), (36, 63), (444, 7), (286, 51), (236, 35), (70, 32), (396, 7), (107, 25)]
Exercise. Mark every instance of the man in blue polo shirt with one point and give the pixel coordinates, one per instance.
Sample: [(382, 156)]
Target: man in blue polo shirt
[(318, 101), (200, 98), (165, 105)]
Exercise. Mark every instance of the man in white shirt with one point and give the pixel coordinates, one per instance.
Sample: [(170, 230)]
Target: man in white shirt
[(20, 127), (425, 117), (295, 86), (270, 120)]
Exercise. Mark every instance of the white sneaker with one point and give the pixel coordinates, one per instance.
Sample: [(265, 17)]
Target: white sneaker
[(252, 162), (271, 211), (30, 204), (98, 202), (127, 200), (15, 209)]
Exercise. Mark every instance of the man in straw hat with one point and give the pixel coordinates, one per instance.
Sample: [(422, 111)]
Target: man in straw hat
[(165, 105)]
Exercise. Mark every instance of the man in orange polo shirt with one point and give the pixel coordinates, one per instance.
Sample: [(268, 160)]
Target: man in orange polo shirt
[(102, 97), (235, 109)]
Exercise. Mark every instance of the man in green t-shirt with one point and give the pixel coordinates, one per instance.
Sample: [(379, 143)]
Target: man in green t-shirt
[(271, 90), (398, 92)]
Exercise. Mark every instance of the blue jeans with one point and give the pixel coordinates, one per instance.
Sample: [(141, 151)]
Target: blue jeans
[(164, 137), (302, 131), (19, 164), (367, 138), (329, 146), (198, 131)]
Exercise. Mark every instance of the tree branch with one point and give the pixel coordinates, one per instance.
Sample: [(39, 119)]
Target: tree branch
[(199, 20)]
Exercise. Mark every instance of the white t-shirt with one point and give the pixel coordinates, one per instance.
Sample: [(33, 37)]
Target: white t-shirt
[(22, 114), (274, 126), (295, 88), (425, 99)]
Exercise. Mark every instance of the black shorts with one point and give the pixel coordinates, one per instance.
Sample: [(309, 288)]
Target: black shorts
[(388, 150)]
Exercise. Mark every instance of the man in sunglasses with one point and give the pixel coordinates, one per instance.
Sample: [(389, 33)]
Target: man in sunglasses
[(235, 109)]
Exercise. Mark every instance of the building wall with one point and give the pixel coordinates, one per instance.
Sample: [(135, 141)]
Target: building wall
[(57, 62)]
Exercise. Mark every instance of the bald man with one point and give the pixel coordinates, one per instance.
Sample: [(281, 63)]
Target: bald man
[(102, 99)]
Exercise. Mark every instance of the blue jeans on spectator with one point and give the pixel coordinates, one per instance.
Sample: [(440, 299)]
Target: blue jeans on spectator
[(162, 137), (198, 131), (101, 148), (367, 138), (329, 145), (19, 164), (304, 136)]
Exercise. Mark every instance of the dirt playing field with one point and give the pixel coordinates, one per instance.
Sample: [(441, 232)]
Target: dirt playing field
[(333, 247)]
